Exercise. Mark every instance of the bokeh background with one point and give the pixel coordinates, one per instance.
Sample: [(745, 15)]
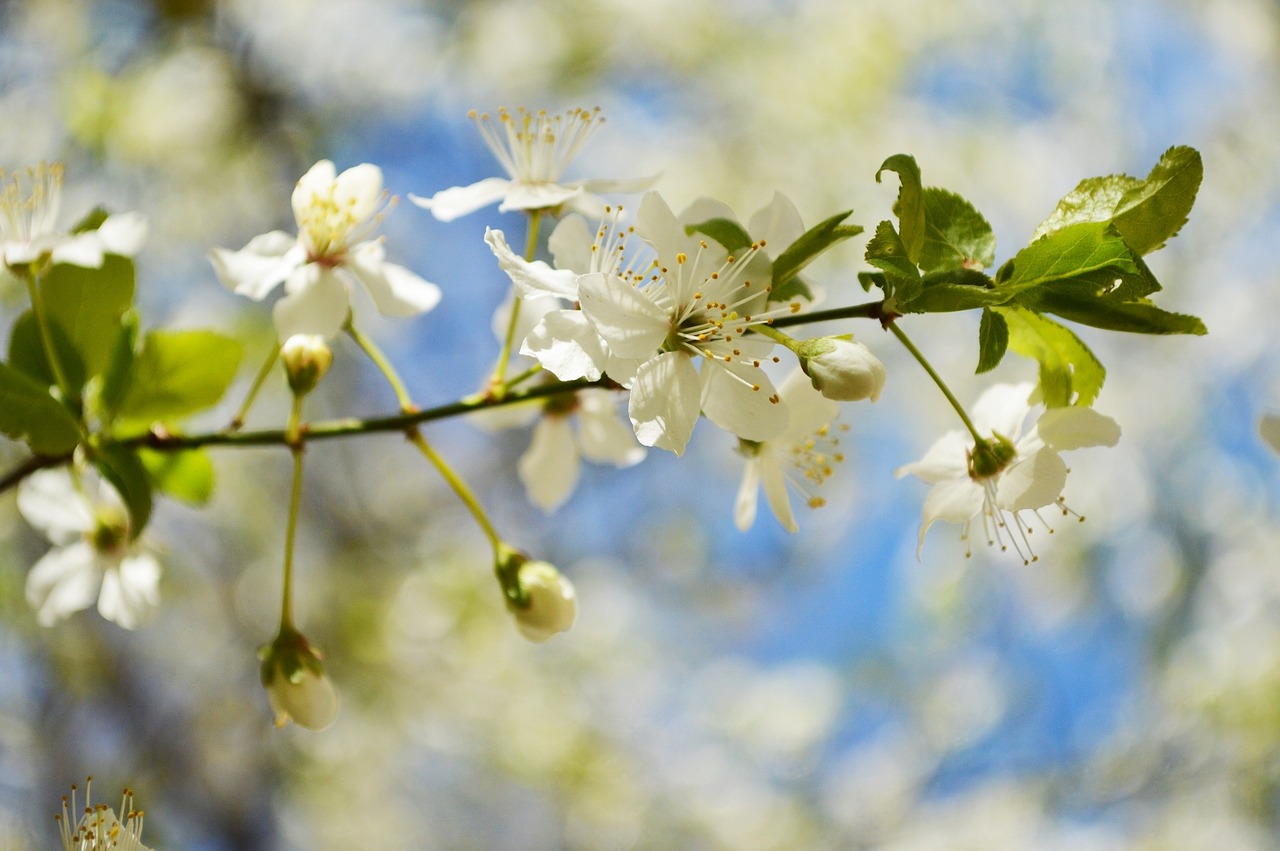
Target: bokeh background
[(721, 690)]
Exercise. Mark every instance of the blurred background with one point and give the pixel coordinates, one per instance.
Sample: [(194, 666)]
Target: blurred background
[(720, 690)]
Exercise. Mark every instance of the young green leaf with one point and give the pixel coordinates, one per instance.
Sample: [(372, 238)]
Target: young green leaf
[(186, 476), (993, 340), (116, 375), (1136, 317), (956, 234), (727, 232), (1067, 368), (178, 373), (909, 208), (809, 245), (27, 354), (87, 304), (28, 413), (952, 290), (122, 468), (1089, 257)]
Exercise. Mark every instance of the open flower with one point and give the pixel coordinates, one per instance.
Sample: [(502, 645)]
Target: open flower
[(98, 828), (29, 204), (335, 216), (93, 555), (549, 468), (1010, 472), (534, 149), (804, 455)]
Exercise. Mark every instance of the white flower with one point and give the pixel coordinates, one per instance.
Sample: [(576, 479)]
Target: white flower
[(803, 454), (774, 227), (92, 554), (297, 688), (552, 605), (335, 214), (549, 468), (842, 369), (29, 202), (695, 303), (1012, 472), (98, 828), (534, 150)]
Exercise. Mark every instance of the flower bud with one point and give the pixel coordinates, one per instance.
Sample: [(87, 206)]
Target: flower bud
[(841, 369), (306, 359), (540, 598), (293, 675)]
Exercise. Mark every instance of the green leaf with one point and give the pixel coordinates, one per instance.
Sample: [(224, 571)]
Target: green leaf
[(1137, 317), (28, 413), (956, 234), (809, 245), (87, 305), (909, 208), (993, 340), (1067, 367), (186, 476), (1147, 213), (727, 232), (792, 289), (178, 373), (124, 470), (115, 378), (952, 290), (26, 352), (1090, 257), (886, 252), (873, 279)]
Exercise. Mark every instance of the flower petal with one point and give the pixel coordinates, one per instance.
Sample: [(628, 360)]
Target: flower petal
[(536, 196), (570, 244), (81, 249), (954, 500), (779, 224), (317, 182), (664, 402), (123, 233), (317, 303), (744, 507), (737, 397), (531, 279), (131, 592), (259, 267), (64, 581), (775, 490), (396, 291), (630, 323), (948, 458), (549, 467), (49, 501), (448, 204), (603, 437), (1075, 427), (358, 190), (808, 409), (1032, 483), (1002, 408), (567, 345)]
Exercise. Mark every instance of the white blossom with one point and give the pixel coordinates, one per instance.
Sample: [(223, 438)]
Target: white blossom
[(98, 828), (93, 555), (534, 149), (335, 215), (1012, 472), (804, 455), (29, 203)]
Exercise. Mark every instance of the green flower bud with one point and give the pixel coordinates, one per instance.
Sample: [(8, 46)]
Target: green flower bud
[(293, 675), (306, 359)]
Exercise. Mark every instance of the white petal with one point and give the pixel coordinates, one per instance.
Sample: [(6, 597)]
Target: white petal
[(603, 436), (664, 402), (448, 204), (82, 249), (123, 233), (775, 490), (631, 324), (729, 401), (948, 458), (549, 468), (567, 345), (318, 181), (531, 279), (396, 291), (65, 580), (955, 501), (778, 224), (1075, 427), (744, 507), (259, 267), (657, 225), (1269, 430), (1032, 483), (359, 191), (532, 310), (317, 303), (625, 185), (131, 592), (1002, 408), (570, 244), (536, 196), (49, 501), (809, 410)]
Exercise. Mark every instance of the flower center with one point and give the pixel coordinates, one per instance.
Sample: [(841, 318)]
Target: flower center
[(110, 532), (29, 201), (989, 457), (536, 147), (331, 225)]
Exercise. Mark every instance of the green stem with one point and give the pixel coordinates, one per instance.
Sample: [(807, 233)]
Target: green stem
[(375, 354), (777, 336), (297, 447), (496, 381), (238, 420), (866, 310), (46, 334), (937, 379), (460, 488)]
